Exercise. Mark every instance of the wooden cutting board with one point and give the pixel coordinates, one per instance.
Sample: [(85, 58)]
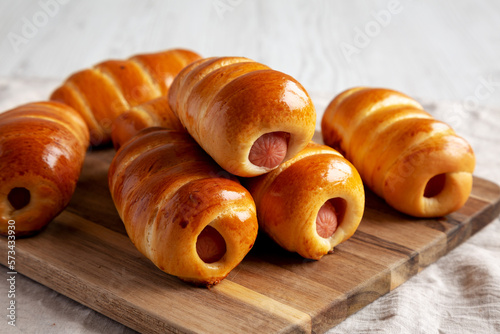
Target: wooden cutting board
[(86, 255)]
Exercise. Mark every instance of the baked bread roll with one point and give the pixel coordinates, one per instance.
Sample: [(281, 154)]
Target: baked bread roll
[(248, 117), (180, 209), (42, 147), (154, 113), (104, 91), (311, 203), (416, 163)]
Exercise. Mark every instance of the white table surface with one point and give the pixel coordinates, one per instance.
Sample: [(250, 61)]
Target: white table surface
[(444, 53)]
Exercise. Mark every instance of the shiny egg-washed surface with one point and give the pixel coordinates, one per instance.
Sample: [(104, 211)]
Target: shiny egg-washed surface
[(167, 191), (227, 103), (103, 92), (154, 113), (398, 149), (42, 147), (289, 199)]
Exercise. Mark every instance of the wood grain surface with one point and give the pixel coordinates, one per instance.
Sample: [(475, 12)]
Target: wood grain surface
[(443, 52), (86, 255)]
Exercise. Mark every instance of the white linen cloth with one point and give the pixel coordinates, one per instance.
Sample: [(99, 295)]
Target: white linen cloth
[(460, 293)]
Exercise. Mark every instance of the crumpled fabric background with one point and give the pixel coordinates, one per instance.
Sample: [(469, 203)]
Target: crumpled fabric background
[(460, 293)]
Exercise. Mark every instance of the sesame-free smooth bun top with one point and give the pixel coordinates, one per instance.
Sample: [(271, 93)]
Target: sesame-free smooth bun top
[(418, 164), (103, 92), (42, 148), (154, 113), (180, 209), (310, 203), (248, 117)]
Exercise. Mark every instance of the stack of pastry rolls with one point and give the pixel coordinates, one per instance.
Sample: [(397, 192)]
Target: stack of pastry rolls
[(256, 123), (209, 150)]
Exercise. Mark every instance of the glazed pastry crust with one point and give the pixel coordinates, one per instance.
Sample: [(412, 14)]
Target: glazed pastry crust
[(166, 191), (103, 92), (398, 147), (154, 113), (42, 148), (227, 103), (288, 200)]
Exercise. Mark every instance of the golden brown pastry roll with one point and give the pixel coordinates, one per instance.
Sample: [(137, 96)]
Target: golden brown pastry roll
[(180, 209), (416, 163), (42, 147), (103, 92), (154, 113), (248, 117), (311, 203)]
